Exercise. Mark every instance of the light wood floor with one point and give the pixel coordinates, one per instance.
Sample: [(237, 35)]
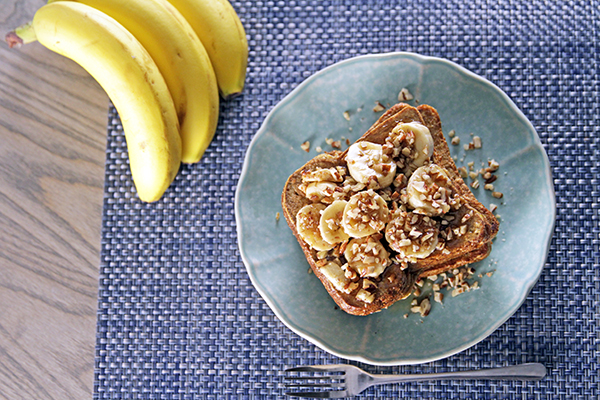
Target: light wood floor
[(53, 118)]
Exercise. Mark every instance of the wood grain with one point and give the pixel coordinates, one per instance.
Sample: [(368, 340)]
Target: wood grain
[(53, 118)]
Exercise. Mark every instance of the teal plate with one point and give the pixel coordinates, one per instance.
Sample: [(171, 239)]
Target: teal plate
[(338, 103)]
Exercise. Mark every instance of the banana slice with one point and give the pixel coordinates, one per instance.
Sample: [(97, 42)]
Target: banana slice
[(330, 225), (430, 191), (412, 235), (423, 141), (320, 191), (307, 224), (367, 161), (365, 213), (320, 184), (367, 256), (334, 174), (337, 277)]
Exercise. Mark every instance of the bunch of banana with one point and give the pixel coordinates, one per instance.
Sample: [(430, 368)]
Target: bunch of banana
[(162, 63)]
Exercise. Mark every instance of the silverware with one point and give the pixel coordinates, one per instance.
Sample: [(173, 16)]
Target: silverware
[(335, 381)]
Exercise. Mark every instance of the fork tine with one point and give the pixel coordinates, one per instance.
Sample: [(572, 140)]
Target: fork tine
[(330, 378), (314, 368), (326, 376), (334, 394), (299, 385)]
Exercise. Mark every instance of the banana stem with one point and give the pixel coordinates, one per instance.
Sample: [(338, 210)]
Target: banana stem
[(21, 35)]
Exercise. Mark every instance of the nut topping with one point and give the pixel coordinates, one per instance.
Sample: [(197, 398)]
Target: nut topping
[(367, 256), (412, 235), (430, 191), (365, 213)]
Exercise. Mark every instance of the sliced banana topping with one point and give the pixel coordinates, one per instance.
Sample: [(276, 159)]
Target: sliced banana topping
[(320, 191), (430, 191), (365, 213), (307, 224), (412, 235), (321, 184), (334, 174), (330, 225), (418, 137), (367, 256), (336, 275), (367, 161)]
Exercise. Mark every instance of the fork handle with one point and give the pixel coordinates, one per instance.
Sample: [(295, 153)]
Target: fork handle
[(523, 372)]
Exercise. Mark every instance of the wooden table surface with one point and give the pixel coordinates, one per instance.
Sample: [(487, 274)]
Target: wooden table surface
[(53, 119)]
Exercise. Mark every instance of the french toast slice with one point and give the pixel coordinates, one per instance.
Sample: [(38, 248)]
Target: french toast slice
[(370, 229)]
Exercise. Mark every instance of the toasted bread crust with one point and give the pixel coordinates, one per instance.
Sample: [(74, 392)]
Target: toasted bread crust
[(397, 283)]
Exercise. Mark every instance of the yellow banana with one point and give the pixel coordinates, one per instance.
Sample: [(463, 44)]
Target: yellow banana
[(182, 60), (132, 81), (220, 29)]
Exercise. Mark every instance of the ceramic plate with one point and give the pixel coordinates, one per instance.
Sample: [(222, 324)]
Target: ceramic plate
[(338, 103)]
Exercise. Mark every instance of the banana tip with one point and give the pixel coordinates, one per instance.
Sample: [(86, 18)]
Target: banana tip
[(230, 96), (13, 40)]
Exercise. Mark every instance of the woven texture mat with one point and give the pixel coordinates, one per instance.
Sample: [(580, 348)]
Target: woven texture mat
[(178, 317)]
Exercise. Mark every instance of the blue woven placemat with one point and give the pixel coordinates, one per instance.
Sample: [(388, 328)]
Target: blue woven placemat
[(178, 317)]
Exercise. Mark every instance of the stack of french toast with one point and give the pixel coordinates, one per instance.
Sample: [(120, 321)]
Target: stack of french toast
[(390, 209)]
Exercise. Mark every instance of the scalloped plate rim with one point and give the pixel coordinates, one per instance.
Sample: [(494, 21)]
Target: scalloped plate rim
[(273, 305)]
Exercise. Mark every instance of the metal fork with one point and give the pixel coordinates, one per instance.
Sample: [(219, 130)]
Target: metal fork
[(335, 381)]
